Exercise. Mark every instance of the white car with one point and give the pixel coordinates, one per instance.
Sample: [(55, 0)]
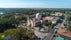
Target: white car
[(42, 30)]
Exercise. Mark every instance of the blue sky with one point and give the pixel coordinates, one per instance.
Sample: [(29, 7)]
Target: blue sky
[(35, 3)]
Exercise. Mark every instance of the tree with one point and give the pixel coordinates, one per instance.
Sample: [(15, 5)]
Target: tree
[(47, 23), (44, 15), (7, 21), (68, 27), (68, 17), (1, 36), (48, 14), (19, 33)]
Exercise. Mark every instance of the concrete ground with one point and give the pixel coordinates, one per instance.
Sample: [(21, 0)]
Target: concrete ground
[(40, 34)]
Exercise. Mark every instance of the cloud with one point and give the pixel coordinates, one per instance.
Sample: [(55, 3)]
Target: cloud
[(23, 5)]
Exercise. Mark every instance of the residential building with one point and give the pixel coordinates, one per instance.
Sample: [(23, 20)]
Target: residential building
[(64, 33)]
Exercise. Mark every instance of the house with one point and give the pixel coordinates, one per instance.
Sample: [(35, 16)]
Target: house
[(64, 33), (58, 14), (18, 15), (52, 19)]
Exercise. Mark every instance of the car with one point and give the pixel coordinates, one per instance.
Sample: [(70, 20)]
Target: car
[(55, 27), (42, 30)]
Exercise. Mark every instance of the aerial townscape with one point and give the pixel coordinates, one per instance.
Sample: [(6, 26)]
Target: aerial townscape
[(35, 19), (35, 24)]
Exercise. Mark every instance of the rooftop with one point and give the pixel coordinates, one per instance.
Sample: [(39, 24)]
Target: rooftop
[(64, 33)]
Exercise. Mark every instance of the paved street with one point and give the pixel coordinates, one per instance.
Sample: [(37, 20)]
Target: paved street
[(48, 37), (51, 33), (40, 34), (45, 36)]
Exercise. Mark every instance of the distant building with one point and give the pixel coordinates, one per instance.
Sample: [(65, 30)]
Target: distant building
[(58, 14), (18, 15), (1, 13), (38, 16), (52, 19)]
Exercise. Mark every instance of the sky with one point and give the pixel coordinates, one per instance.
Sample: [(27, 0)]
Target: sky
[(35, 3)]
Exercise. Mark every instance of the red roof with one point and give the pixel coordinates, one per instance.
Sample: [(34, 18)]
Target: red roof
[(58, 14), (35, 19), (64, 32)]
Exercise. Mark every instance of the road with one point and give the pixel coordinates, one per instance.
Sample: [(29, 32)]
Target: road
[(40, 34), (45, 36), (51, 33), (49, 36)]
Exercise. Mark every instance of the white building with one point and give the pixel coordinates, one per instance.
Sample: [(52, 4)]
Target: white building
[(38, 16), (1, 13)]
